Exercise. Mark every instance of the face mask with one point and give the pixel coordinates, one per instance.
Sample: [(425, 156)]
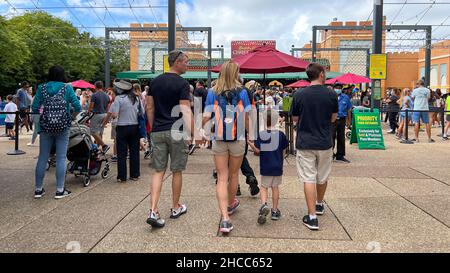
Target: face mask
[(338, 91)]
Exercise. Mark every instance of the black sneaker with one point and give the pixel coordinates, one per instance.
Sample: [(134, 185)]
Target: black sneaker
[(65, 193), (253, 186), (239, 193), (155, 220), (320, 209), (276, 215), (310, 223), (225, 227), (263, 212), (105, 149), (192, 149), (343, 160), (39, 194)]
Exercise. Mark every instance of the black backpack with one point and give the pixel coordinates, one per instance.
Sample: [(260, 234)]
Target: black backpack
[(55, 119)]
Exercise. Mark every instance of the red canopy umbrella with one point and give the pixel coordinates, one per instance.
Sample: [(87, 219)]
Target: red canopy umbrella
[(82, 84), (267, 60), (300, 84), (349, 78)]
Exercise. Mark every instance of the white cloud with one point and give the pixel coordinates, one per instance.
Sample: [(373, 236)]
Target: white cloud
[(301, 27)]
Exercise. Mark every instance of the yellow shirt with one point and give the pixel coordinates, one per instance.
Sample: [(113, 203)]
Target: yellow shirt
[(447, 102)]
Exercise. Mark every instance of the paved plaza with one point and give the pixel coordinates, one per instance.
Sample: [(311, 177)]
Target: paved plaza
[(396, 200)]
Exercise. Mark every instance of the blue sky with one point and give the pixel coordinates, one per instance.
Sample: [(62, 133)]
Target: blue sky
[(287, 21)]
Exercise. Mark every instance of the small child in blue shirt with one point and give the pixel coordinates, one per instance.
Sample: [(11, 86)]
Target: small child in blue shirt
[(270, 147)]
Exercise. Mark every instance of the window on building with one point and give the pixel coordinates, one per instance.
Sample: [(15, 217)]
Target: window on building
[(145, 57), (444, 78), (422, 72), (434, 77)]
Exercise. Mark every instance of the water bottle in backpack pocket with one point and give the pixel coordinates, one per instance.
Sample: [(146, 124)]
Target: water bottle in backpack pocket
[(54, 119), (229, 116)]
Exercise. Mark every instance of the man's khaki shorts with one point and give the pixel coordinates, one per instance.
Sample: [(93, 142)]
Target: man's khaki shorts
[(165, 144), (314, 167), (271, 181), (235, 149)]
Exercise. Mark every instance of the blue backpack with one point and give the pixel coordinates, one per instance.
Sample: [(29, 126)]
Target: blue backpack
[(228, 113), (55, 119)]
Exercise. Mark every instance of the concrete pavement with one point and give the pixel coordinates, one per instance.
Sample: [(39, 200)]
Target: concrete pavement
[(396, 200)]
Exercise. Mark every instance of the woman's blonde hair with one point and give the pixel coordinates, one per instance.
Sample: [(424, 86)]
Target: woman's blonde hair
[(404, 94), (137, 88), (228, 78)]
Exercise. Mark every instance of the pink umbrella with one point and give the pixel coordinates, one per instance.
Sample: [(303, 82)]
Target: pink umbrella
[(349, 78), (82, 84), (300, 84)]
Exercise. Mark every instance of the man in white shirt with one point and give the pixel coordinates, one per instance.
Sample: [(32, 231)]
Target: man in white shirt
[(421, 95)]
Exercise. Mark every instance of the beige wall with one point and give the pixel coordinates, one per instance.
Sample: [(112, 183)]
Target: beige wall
[(159, 36), (402, 70)]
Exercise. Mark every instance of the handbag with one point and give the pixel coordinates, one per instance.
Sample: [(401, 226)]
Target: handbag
[(142, 121)]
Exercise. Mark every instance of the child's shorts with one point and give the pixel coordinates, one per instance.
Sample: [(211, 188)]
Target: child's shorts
[(271, 181), (9, 125)]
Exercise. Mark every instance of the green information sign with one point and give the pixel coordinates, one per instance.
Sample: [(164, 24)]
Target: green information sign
[(287, 103), (366, 130)]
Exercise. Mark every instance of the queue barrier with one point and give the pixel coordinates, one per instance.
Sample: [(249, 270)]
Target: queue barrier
[(407, 112)]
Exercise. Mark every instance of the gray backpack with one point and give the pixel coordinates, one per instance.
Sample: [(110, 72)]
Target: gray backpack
[(55, 119)]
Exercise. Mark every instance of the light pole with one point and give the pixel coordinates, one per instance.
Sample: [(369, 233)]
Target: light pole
[(377, 47), (172, 25)]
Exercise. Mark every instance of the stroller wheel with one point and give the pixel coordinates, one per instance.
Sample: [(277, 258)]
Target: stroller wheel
[(105, 173), (348, 135), (87, 181), (70, 167)]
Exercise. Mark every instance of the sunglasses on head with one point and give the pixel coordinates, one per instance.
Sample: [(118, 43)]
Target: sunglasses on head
[(178, 55)]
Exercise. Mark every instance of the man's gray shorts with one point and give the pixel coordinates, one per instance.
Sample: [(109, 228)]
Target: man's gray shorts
[(167, 144), (96, 124)]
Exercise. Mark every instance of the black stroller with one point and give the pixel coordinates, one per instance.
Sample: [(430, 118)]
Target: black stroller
[(85, 158)]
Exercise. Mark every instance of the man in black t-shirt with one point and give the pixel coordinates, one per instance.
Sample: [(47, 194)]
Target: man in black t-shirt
[(167, 92), (314, 109)]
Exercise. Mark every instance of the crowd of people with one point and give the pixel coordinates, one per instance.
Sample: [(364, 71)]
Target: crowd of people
[(427, 108), (174, 118)]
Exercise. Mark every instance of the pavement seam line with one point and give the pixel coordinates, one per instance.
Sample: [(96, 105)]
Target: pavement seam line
[(123, 218), (412, 203), (429, 176), (339, 221)]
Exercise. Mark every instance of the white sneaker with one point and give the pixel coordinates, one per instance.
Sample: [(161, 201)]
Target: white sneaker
[(31, 145), (176, 213)]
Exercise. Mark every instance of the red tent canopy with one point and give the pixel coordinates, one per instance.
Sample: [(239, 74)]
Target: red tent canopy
[(349, 78), (82, 84), (300, 84), (268, 60)]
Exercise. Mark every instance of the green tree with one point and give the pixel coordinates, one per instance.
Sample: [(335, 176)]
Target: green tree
[(14, 58), (120, 56), (53, 41), (35, 41)]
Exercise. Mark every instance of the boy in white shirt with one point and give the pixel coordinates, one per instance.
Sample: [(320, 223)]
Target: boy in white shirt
[(10, 118)]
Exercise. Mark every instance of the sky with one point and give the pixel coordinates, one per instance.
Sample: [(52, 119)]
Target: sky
[(289, 22)]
